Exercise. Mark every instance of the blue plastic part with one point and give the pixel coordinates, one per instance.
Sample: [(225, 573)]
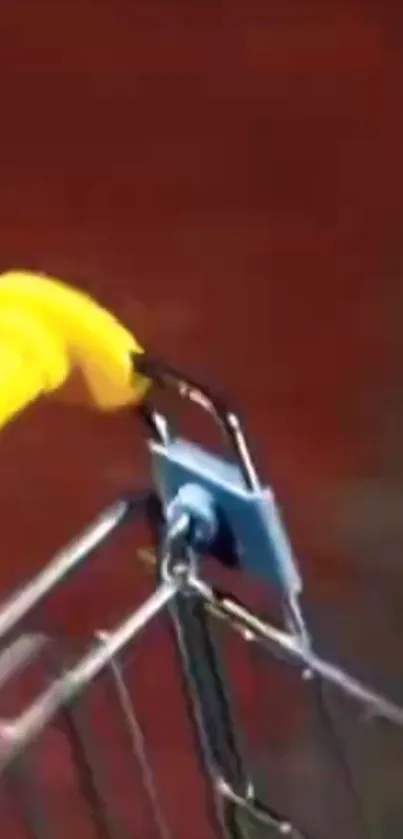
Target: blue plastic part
[(250, 531), (199, 504)]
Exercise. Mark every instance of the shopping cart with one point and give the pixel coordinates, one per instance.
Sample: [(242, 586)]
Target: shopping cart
[(205, 511)]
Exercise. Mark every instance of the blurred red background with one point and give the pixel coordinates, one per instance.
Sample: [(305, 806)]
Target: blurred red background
[(227, 177)]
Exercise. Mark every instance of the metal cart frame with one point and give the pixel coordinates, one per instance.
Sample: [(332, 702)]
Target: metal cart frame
[(188, 599)]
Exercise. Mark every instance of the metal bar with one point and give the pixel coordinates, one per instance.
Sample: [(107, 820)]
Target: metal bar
[(254, 629), (260, 812), (16, 734), (338, 754), (203, 684), (296, 625), (217, 735), (210, 712), (67, 560), (88, 764), (207, 695), (137, 742), (216, 730), (85, 755), (19, 653), (216, 806), (166, 376)]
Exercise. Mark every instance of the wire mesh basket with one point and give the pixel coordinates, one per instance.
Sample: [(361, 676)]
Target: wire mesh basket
[(81, 729)]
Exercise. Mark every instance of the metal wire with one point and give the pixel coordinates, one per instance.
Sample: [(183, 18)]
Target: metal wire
[(204, 686), (184, 597), (137, 743), (295, 647), (217, 733), (16, 735), (288, 646), (67, 560)]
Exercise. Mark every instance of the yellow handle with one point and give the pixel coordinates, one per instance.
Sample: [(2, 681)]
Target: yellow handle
[(27, 383), (53, 337)]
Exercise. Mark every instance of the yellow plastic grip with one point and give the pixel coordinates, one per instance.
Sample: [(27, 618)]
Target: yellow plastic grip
[(53, 338)]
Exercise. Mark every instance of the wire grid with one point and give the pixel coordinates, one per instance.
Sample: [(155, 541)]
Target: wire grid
[(103, 756)]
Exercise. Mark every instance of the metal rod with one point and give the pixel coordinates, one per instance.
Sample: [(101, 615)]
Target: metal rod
[(166, 376), (219, 814), (202, 685), (296, 625), (19, 654), (64, 563), (205, 685), (88, 763), (16, 734), (215, 727), (137, 742), (85, 755), (254, 629), (260, 812), (210, 711)]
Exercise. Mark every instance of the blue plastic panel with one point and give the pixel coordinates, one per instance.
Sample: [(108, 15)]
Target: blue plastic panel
[(250, 519)]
